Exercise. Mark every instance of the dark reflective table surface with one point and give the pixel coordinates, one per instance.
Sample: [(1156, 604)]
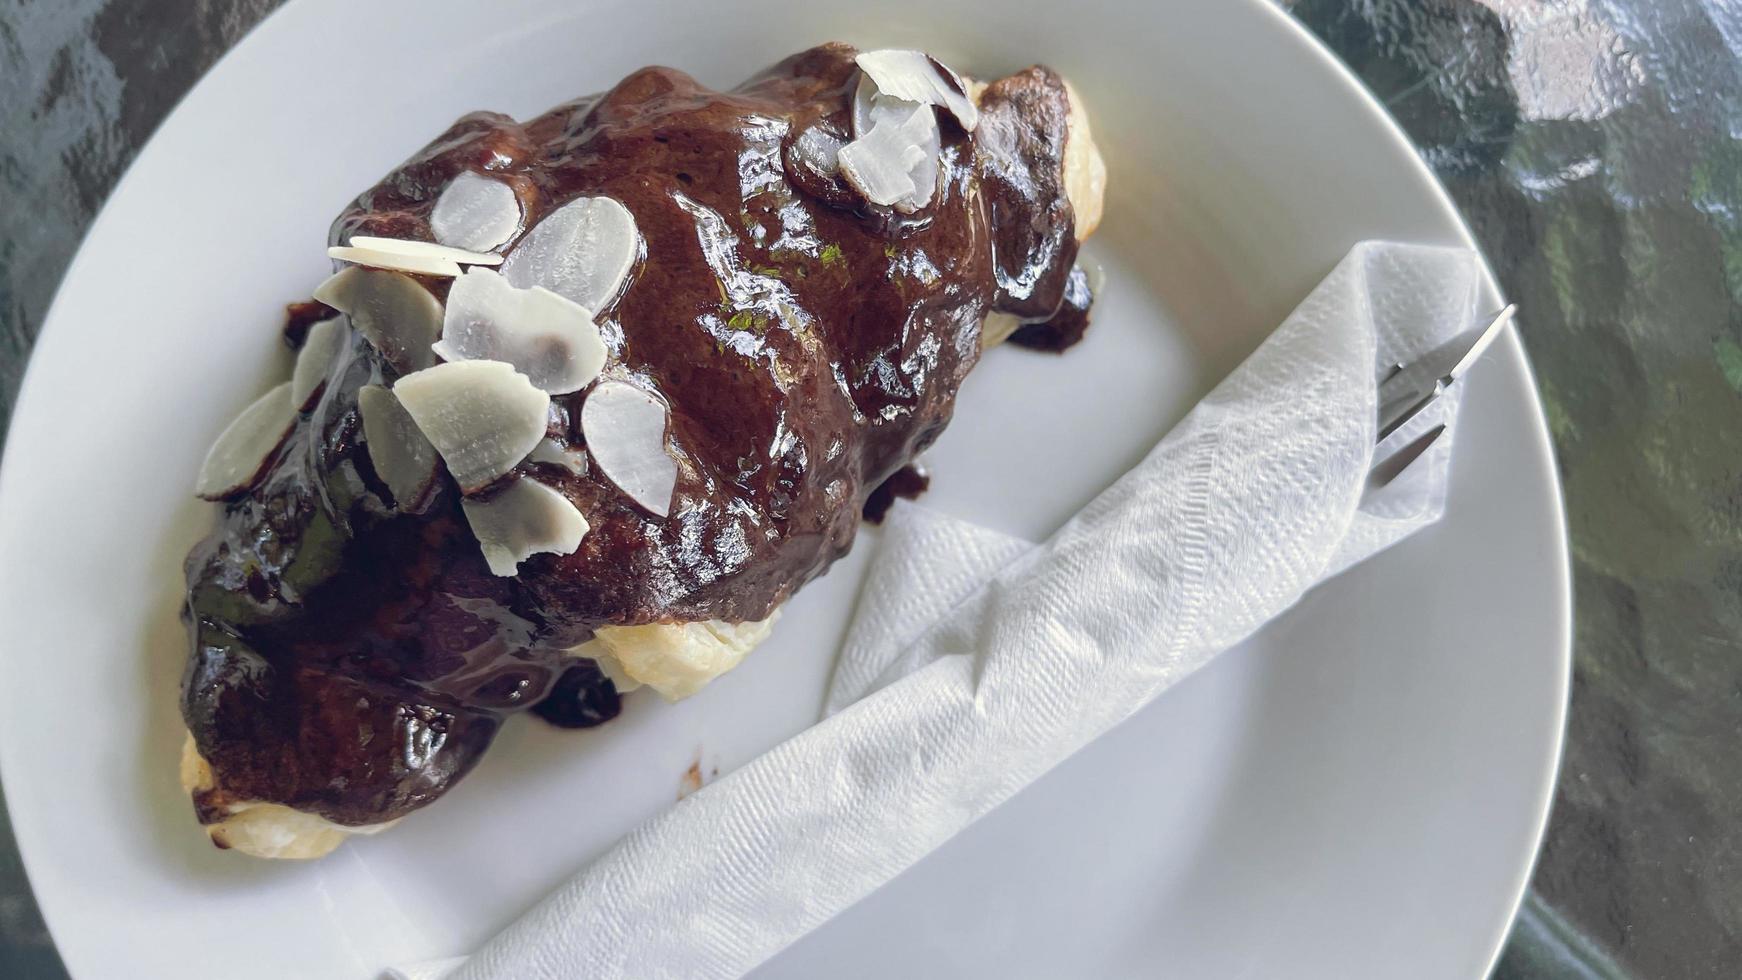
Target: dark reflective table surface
[(1595, 147)]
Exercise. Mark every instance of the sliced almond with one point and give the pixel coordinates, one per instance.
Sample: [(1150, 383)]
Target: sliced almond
[(582, 251), (525, 519), (819, 149), (319, 346), (483, 417), (239, 457), (872, 106), (925, 172), (625, 431), (392, 311), (402, 455), (895, 163), (422, 265), (550, 339), (426, 250), (475, 212), (548, 451), (917, 77)]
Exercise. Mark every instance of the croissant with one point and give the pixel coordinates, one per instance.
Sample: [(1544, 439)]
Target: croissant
[(588, 398)]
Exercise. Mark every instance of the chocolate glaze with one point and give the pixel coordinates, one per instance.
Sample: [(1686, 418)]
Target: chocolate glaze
[(1065, 327), (908, 483), (354, 661), (1024, 121), (581, 698), (298, 317)]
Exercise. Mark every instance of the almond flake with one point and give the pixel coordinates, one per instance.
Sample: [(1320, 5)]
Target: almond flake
[(319, 346), (426, 250), (548, 338), (896, 162), (871, 107), (917, 77), (392, 311), (483, 417), (819, 149), (239, 457), (402, 456), (421, 265), (524, 519), (625, 431), (475, 212), (549, 451), (582, 251)]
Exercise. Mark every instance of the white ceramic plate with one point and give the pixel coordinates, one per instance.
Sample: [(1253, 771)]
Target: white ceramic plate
[(1358, 792)]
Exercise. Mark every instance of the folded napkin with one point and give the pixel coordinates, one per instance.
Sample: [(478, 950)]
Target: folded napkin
[(977, 661)]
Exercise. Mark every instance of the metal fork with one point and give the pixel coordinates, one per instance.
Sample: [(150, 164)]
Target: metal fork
[(1407, 389)]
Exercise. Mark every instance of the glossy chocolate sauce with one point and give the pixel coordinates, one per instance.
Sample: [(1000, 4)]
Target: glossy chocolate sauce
[(1067, 326), (581, 698), (906, 483), (298, 317), (353, 660)]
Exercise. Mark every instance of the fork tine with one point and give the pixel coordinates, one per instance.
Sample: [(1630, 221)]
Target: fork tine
[(1406, 389), (1395, 415), (1392, 466)]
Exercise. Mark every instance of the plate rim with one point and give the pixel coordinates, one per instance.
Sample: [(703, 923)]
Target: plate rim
[(1541, 440), (1535, 431)]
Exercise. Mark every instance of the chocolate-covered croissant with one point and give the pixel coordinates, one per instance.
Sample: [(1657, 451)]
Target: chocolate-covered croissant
[(588, 398)]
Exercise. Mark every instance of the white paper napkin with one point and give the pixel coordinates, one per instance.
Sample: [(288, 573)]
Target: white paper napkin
[(976, 661)]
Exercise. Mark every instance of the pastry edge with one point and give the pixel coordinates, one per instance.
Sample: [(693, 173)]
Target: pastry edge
[(266, 830)]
